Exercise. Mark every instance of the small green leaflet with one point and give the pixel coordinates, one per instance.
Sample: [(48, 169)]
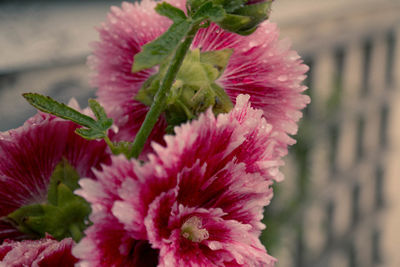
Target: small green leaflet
[(171, 12), (96, 129), (100, 114), (157, 51)]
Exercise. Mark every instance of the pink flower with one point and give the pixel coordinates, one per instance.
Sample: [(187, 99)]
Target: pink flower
[(261, 66), (106, 242), (35, 253), (198, 201), (28, 156)]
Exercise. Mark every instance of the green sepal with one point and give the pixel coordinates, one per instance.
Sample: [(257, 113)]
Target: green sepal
[(63, 173), (234, 23), (64, 215), (171, 12), (194, 89), (157, 51), (122, 147), (149, 89), (20, 217), (223, 103), (257, 13), (230, 5), (219, 59), (209, 11), (40, 219)]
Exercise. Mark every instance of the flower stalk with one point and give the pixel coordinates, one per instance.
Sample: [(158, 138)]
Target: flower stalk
[(158, 104)]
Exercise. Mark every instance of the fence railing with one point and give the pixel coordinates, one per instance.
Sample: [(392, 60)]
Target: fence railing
[(343, 165)]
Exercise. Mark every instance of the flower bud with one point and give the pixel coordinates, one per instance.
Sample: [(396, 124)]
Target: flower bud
[(245, 18), (242, 16)]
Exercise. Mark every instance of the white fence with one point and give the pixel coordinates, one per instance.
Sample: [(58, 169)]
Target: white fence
[(349, 209)]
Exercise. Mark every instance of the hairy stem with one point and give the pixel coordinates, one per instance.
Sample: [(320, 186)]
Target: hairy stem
[(160, 98)]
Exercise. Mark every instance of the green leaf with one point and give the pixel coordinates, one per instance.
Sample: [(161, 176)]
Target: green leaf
[(195, 4), (169, 11), (96, 129), (155, 52), (209, 11), (100, 114), (91, 134), (49, 105)]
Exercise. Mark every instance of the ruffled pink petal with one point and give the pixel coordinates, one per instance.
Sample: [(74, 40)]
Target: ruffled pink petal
[(242, 135), (107, 244), (263, 67), (28, 155), (227, 242), (35, 253), (203, 167)]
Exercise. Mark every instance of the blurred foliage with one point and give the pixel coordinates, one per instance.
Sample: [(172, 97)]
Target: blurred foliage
[(285, 214)]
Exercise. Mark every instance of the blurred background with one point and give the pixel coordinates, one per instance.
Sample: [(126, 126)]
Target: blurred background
[(340, 202)]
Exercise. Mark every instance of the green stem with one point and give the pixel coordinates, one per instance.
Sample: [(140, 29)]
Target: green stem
[(160, 98), (109, 142)]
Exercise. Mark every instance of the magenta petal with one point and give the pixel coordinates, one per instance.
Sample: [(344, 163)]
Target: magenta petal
[(29, 154), (203, 173), (108, 244), (107, 241), (226, 242), (26, 163), (261, 65), (121, 37), (44, 252), (8, 231)]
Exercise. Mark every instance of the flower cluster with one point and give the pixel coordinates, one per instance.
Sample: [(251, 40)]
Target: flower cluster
[(193, 198), (198, 201)]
